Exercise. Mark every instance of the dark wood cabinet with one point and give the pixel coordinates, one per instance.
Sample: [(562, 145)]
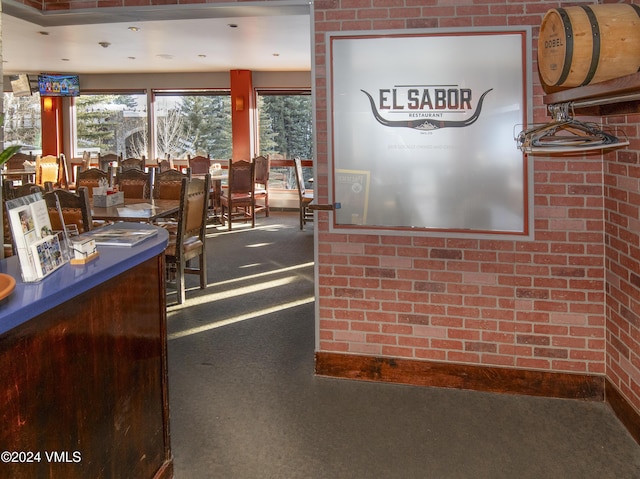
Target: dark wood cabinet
[(84, 384)]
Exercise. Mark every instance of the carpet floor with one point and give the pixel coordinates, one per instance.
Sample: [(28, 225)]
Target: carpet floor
[(245, 403)]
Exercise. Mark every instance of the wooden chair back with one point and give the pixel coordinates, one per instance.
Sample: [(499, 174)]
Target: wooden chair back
[(261, 192), (199, 164), (75, 209), (167, 185), (107, 160), (165, 165), (48, 170), (241, 177), (91, 179), (86, 160), (238, 201), (134, 183), (132, 164), (305, 197), (189, 242)]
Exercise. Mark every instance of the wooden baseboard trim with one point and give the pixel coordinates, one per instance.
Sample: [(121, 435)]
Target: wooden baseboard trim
[(627, 415), (481, 378), (461, 376)]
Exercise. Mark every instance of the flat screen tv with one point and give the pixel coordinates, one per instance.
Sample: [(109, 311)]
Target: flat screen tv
[(58, 85), (20, 85)]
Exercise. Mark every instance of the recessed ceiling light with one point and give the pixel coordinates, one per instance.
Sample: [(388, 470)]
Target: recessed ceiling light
[(202, 55), (104, 44), (131, 58), (165, 56), (134, 29), (232, 25), (64, 59), (44, 33), (276, 54)]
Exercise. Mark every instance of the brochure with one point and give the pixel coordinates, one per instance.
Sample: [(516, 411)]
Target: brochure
[(47, 255), (30, 224)]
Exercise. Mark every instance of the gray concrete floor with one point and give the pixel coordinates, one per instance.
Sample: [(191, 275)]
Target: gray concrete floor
[(245, 403)]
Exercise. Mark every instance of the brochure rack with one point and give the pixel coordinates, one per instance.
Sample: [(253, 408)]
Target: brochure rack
[(40, 250)]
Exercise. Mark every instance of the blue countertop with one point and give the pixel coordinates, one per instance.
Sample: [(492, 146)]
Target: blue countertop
[(28, 300)]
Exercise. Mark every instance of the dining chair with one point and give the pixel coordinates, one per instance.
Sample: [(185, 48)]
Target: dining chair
[(167, 185), (305, 196), (199, 164), (237, 202), (188, 241), (132, 164), (84, 165), (261, 191), (166, 164), (91, 178), (86, 160), (134, 183), (10, 191), (107, 160), (48, 170), (74, 208), (64, 175)]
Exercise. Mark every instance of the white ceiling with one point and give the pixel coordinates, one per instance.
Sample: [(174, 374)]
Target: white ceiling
[(177, 38)]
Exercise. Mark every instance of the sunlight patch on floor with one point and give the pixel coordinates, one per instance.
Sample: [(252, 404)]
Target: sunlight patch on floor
[(236, 319), (219, 230), (252, 288), (257, 245), (241, 291), (266, 273)]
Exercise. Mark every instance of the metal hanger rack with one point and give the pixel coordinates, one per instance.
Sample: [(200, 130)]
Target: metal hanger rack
[(564, 134)]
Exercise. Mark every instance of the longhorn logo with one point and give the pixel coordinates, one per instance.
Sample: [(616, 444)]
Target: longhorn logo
[(426, 124)]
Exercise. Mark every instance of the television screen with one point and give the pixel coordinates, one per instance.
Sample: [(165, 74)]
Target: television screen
[(58, 85), (20, 85)]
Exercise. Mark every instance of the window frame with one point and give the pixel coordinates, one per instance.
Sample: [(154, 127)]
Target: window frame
[(165, 92), (73, 133)]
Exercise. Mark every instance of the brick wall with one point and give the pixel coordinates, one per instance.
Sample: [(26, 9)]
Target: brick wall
[(535, 305), (622, 260)]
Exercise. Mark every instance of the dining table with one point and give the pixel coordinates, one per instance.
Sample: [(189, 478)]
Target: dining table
[(143, 210), (26, 176)]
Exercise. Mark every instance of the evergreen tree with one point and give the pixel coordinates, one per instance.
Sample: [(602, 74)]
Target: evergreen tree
[(291, 125), (207, 123), (96, 123)]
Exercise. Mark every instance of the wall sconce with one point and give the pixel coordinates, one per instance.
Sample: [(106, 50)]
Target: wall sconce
[(47, 103), (239, 101)]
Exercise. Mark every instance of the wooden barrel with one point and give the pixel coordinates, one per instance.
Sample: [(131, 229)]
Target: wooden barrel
[(589, 44)]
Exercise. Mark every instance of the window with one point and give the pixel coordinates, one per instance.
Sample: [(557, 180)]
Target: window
[(111, 123), (285, 130), (22, 124), (193, 123)]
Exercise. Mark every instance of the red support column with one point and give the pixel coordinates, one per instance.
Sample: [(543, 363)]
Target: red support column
[(51, 118), (242, 111)]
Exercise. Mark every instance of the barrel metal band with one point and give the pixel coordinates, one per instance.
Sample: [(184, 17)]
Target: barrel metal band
[(568, 54), (595, 50)]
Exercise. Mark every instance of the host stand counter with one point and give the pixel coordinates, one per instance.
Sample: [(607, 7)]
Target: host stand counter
[(83, 369)]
